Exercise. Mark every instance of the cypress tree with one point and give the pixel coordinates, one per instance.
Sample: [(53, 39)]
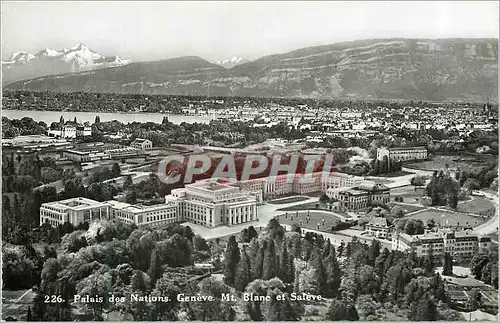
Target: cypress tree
[(285, 270), (448, 265), (243, 272), (29, 316), (373, 252), (155, 271), (232, 256), (269, 269), (334, 274)]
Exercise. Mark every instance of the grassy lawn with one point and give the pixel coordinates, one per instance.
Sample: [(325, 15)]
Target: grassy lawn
[(476, 205), (406, 207), (439, 162), (315, 217), (453, 218), (287, 200), (408, 194), (301, 207)]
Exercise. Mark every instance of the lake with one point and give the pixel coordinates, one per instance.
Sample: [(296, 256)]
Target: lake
[(53, 116)]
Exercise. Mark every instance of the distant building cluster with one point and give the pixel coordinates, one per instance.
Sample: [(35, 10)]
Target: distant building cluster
[(458, 244), (71, 131), (90, 152)]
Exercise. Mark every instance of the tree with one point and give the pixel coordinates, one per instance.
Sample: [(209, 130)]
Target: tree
[(324, 199), (72, 242), (131, 197), (243, 272), (155, 270), (447, 265), (425, 310), (29, 317), (232, 256), (477, 263), (474, 300), (429, 263), (286, 269), (200, 244), (97, 120), (418, 180), (339, 311), (373, 252), (127, 182), (116, 170), (216, 310), (269, 269)]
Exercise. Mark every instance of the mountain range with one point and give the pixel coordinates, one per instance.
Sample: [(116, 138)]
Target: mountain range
[(230, 63), (418, 69), (23, 65)]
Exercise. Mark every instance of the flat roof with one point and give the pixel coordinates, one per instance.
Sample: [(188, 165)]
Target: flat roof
[(407, 148), (137, 208), (77, 203)]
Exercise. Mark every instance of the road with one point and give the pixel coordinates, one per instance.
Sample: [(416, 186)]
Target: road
[(136, 177), (490, 226)]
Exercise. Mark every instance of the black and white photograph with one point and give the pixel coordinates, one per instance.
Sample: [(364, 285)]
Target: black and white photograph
[(249, 161)]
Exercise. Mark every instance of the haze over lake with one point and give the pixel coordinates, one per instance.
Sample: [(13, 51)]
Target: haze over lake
[(53, 116)]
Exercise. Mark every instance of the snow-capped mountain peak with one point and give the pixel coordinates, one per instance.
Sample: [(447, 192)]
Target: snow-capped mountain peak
[(79, 46), (22, 57), (235, 60), (119, 60), (51, 61), (49, 52)]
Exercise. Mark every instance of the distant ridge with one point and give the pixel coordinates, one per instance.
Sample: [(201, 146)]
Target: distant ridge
[(418, 69)]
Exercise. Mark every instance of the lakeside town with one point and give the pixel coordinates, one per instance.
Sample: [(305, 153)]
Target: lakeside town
[(404, 226)]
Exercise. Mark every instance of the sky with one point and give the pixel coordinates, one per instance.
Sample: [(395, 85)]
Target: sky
[(219, 30)]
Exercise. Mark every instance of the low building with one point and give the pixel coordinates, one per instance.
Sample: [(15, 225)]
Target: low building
[(143, 144), (458, 244), (140, 215), (367, 194), (401, 154), (378, 227), (84, 156), (339, 180), (83, 131), (126, 152), (71, 131), (74, 211)]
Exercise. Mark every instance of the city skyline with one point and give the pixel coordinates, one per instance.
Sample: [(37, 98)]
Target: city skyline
[(221, 30)]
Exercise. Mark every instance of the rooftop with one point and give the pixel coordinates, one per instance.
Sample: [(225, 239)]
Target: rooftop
[(77, 203), (408, 148), (137, 208), (378, 222)]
